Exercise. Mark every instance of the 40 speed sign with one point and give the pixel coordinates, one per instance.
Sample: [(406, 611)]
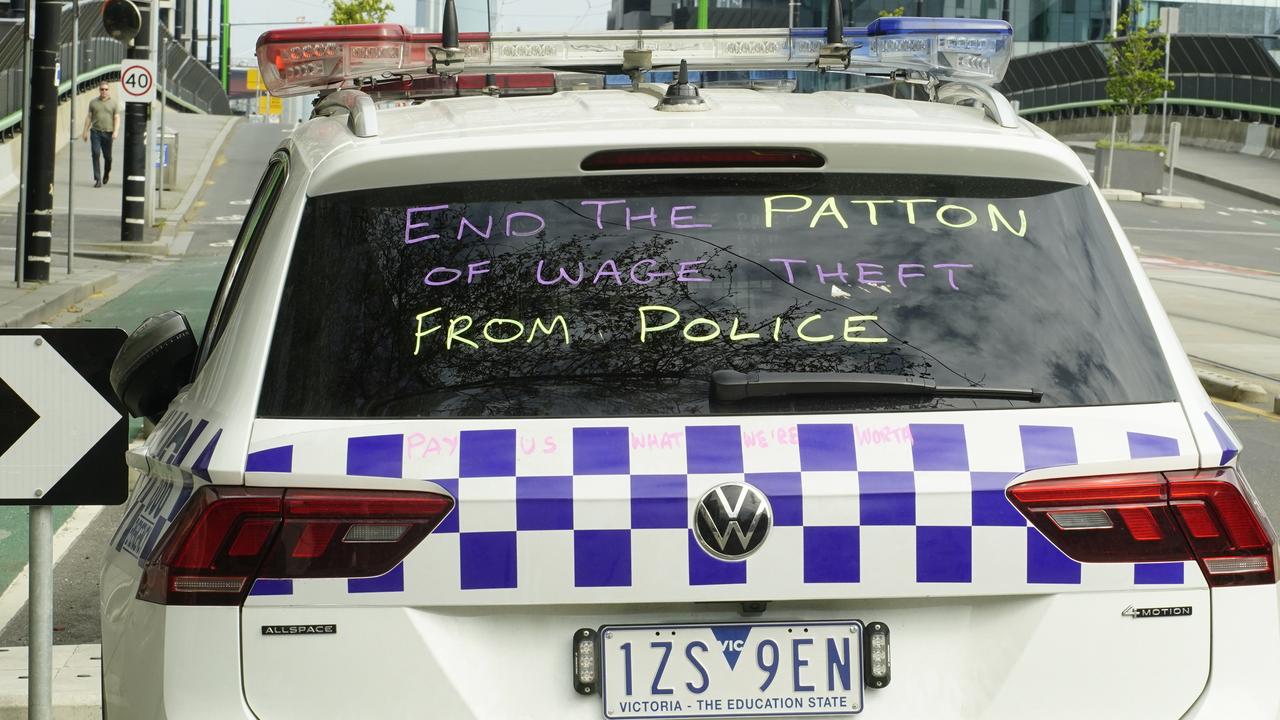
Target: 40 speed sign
[(138, 81)]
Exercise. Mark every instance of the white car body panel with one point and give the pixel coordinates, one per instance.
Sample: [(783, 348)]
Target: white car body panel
[(996, 646)]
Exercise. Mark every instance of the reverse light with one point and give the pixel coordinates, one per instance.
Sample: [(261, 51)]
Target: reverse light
[(1195, 515), (227, 537)]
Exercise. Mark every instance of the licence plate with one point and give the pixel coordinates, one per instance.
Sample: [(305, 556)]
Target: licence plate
[(732, 670)]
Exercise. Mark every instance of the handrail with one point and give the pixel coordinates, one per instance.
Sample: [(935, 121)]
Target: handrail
[(1195, 102)]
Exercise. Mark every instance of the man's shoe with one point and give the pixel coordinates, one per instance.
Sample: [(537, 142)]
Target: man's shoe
[(106, 176), (97, 183)]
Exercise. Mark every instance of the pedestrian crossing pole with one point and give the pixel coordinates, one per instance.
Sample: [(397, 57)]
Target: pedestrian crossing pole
[(133, 199), (39, 129)]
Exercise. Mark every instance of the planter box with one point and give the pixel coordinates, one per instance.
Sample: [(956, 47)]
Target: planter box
[(1140, 170)]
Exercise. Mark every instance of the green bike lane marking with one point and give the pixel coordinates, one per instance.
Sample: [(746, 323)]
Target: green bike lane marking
[(187, 285)]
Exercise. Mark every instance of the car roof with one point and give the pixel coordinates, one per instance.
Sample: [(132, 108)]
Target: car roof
[(732, 116)]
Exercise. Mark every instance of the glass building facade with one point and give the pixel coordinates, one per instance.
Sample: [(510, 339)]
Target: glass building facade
[(1038, 24)]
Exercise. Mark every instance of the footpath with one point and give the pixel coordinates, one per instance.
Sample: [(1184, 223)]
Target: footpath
[(100, 262), (100, 259)]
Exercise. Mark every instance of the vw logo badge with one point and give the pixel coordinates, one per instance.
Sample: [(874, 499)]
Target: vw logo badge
[(732, 520)]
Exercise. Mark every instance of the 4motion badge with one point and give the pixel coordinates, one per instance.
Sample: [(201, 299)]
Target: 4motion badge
[(1154, 612), (732, 520)]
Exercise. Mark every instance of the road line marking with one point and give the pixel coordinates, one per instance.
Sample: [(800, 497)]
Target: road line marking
[(15, 596), (1224, 212), (1245, 408), (1257, 222), (1204, 232)]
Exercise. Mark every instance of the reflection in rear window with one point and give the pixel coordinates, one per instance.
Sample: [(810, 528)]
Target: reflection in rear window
[(622, 295)]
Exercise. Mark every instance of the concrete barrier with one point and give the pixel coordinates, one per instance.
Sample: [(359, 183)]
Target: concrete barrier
[(1257, 139), (11, 152)]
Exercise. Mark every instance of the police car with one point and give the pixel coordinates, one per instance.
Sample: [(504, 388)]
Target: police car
[(678, 402)]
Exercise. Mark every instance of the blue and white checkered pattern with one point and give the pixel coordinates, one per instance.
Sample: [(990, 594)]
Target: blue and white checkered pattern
[(552, 512)]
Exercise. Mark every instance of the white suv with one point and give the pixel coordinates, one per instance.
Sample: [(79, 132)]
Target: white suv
[(678, 403)]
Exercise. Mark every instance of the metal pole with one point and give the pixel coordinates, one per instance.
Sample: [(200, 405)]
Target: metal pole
[(21, 253), (1175, 131), (71, 145), (132, 222), (224, 45), (163, 93), (153, 46), (1111, 153), (704, 14), (40, 130), (1115, 15), (1164, 115), (208, 35), (40, 614)]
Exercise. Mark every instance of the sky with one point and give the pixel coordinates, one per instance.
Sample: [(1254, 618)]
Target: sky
[(251, 18)]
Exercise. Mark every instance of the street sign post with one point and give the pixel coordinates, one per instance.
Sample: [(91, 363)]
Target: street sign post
[(63, 435), (138, 81)]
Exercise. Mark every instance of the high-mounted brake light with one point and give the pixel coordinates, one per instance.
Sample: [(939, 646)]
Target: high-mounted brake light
[(1195, 515), (302, 60), (226, 537), (703, 158)]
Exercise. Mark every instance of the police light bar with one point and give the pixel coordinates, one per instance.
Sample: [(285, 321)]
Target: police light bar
[(302, 60)]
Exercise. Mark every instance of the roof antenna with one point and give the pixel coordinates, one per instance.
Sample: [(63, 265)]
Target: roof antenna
[(835, 54), (681, 95), (449, 59)]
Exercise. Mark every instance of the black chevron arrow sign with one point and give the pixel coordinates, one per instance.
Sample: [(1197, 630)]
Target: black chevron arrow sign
[(63, 432)]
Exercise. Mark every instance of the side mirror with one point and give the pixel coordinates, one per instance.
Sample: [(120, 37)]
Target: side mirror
[(154, 364)]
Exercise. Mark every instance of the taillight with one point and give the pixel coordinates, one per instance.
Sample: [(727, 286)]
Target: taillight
[(1195, 515), (702, 158), (226, 537)]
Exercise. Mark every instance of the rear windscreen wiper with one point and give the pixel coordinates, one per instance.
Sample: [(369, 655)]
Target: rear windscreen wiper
[(731, 385)]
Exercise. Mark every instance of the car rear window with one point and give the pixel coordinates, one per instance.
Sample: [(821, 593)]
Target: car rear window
[(621, 295)]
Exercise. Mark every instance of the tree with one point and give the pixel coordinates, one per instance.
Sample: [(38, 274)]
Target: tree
[(358, 12), (896, 12), (1136, 75)]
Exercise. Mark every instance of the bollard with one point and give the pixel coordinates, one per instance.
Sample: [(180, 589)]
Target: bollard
[(1175, 135)]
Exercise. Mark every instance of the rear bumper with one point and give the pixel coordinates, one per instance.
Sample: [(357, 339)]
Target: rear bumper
[(1245, 657)]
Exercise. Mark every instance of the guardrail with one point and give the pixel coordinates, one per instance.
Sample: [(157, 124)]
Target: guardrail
[(1174, 102), (191, 85)]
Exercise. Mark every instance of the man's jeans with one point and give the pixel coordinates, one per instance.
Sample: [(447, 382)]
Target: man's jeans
[(100, 142)]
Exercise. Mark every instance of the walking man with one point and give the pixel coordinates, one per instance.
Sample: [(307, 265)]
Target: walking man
[(101, 127)]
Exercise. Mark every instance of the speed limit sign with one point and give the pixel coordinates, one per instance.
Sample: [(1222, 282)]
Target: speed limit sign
[(138, 81)]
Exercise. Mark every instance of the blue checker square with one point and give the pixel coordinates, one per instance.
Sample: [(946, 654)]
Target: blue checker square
[(487, 453), (944, 554), (990, 505), (1044, 446), (826, 447), (544, 503), (270, 586), (1169, 573), (602, 558), (450, 522), (1047, 564), (659, 501), (271, 460), (714, 449), (601, 451), (707, 570), (831, 555), (939, 447), (887, 498), (784, 493), (390, 581), (487, 560), (376, 455), (1150, 446)]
